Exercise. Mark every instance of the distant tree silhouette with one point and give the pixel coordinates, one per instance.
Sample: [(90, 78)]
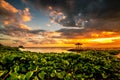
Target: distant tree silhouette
[(21, 46), (1, 45)]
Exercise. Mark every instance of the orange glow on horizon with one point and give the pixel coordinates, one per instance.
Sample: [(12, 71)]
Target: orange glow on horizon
[(56, 41), (103, 34), (87, 42)]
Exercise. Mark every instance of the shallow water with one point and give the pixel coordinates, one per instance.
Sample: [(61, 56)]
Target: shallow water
[(47, 49)]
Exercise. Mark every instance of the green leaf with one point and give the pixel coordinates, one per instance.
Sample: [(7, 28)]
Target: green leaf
[(104, 75), (54, 71), (61, 74), (43, 60), (42, 75), (2, 73), (82, 78), (36, 69), (67, 77), (23, 69), (21, 77), (16, 69), (91, 75), (13, 76), (79, 76), (43, 68), (66, 62), (29, 75), (52, 74), (36, 78)]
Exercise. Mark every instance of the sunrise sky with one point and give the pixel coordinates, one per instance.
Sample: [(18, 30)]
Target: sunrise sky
[(60, 23)]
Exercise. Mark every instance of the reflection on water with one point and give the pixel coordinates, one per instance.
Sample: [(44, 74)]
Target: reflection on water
[(47, 49)]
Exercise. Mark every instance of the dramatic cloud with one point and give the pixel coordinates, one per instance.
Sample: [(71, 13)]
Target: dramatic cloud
[(91, 22), (13, 30), (39, 31), (25, 15), (49, 34), (87, 33), (4, 37), (78, 12), (6, 9), (12, 20)]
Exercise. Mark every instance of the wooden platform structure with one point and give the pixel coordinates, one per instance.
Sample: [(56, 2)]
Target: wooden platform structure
[(78, 48)]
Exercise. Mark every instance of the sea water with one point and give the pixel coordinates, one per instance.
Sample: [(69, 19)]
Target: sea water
[(47, 49)]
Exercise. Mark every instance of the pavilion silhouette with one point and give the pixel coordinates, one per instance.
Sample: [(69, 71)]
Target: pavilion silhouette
[(78, 46)]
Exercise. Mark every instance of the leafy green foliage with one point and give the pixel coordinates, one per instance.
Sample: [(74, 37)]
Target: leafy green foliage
[(92, 65)]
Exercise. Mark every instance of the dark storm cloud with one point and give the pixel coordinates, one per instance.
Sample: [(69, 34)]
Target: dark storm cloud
[(77, 10), (13, 31), (18, 32), (37, 31), (98, 27), (72, 33)]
